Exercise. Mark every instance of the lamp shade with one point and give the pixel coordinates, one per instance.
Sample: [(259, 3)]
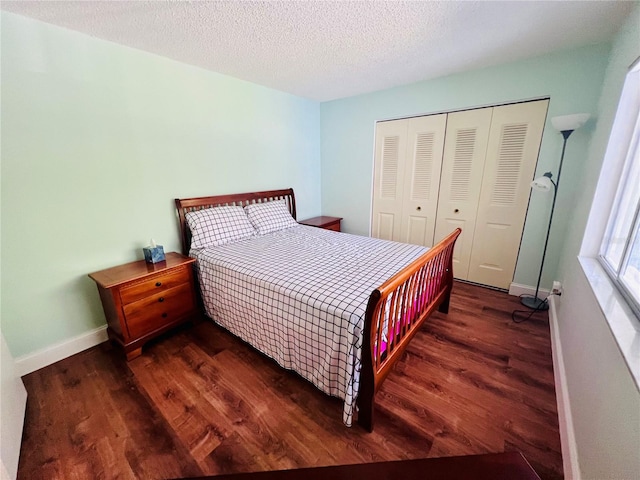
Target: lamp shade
[(542, 184), (570, 123)]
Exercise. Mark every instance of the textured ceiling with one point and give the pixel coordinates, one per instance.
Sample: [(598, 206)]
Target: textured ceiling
[(328, 50)]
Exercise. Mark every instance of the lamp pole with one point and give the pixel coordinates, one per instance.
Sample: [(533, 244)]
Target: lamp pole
[(535, 302)]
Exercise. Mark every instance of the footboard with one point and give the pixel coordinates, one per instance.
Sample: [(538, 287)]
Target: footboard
[(394, 314)]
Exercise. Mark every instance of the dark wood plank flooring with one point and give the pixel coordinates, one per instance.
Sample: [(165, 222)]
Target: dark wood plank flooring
[(201, 402)]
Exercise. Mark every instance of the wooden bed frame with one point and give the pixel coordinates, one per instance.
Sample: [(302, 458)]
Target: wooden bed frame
[(402, 303)]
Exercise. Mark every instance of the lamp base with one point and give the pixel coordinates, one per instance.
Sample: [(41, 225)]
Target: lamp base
[(535, 303)]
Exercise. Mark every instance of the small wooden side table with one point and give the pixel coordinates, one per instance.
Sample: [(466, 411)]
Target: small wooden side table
[(142, 300), (328, 223)]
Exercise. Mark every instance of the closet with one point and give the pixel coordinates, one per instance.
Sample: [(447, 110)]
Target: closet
[(469, 169)]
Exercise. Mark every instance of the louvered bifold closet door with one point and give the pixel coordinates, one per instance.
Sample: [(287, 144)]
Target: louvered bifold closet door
[(512, 153), (465, 149), (422, 178), (390, 152)]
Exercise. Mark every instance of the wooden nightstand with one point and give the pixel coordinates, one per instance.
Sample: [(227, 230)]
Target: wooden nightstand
[(328, 223), (142, 300)]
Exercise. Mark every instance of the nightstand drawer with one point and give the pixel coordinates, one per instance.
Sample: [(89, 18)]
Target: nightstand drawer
[(158, 310), (155, 285)]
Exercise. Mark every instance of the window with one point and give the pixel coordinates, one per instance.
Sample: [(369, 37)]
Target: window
[(620, 248)]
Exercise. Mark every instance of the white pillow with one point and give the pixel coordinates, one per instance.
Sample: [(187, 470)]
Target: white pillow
[(270, 216), (211, 227)]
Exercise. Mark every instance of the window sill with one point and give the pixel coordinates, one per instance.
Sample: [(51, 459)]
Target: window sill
[(622, 322)]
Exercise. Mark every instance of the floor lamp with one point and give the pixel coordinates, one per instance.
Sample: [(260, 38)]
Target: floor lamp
[(565, 124)]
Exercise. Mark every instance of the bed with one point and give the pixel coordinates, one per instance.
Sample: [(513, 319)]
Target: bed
[(336, 308)]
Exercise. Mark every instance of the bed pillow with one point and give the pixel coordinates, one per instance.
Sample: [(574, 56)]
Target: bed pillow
[(211, 227), (270, 216)]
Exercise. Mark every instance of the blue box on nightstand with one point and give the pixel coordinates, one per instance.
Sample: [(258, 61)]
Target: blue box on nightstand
[(154, 254)]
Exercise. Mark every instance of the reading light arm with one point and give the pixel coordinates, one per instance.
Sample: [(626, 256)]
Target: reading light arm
[(553, 206)]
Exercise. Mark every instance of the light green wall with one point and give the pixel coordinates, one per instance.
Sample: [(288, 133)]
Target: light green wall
[(572, 79), (97, 141), (604, 399)]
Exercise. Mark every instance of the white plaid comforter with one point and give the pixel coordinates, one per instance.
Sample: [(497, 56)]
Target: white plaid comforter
[(299, 295)]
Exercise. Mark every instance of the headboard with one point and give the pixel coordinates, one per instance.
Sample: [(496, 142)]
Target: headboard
[(185, 205)]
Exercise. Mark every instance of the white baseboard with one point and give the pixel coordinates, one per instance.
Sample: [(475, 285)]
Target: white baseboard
[(54, 353), (518, 289), (565, 420)]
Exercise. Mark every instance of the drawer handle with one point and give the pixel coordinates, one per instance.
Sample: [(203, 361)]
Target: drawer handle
[(158, 284), (161, 299)]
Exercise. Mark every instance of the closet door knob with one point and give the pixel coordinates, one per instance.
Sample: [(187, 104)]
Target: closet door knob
[(419, 208)]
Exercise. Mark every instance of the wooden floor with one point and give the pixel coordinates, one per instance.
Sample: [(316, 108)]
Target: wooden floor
[(201, 402)]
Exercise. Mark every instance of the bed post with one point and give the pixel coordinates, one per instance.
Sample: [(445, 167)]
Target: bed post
[(444, 306), (367, 391), (292, 199)]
